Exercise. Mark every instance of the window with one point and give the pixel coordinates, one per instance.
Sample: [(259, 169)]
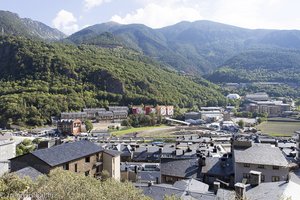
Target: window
[(261, 166), (75, 167), (66, 166), (87, 159), (262, 178), (246, 165), (275, 178), (246, 175), (276, 167), (87, 173)]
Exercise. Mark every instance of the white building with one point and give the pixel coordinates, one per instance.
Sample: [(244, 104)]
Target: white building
[(7, 151), (233, 96)]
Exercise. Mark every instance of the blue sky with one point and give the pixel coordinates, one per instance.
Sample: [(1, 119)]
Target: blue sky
[(72, 15)]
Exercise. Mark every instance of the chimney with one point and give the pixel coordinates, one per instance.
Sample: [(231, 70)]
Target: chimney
[(240, 191), (223, 162), (201, 161), (217, 186), (150, 183), (255, 178)]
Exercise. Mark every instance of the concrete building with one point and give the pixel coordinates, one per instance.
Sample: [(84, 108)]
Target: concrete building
[(69, 126), (260, 96), (165, 110), (272, 108), (79, 157), (7, 151), (233, 96), (298, 146), (192, 115), (92, 113), (118, 108), (111, 163), (73, 115), (264, 158)]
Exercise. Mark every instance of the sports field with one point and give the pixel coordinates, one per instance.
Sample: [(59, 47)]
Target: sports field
[(279, 129)]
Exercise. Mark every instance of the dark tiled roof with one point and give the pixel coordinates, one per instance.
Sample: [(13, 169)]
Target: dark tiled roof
[(28, 172), (67, 152), (186, 168), (261, 154), (217, 167), (113, 153), (274, 191), (180, 189), (149, 175)]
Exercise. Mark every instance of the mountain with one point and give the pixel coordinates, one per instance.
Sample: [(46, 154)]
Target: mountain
[(12, 24), (265, 65), (193, 47), (39, 80)]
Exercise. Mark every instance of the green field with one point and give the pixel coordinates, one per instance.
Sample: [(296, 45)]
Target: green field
[(279, 129), (134, 130)]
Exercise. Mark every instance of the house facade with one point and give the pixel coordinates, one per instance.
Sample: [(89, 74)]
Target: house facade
[(79, 157), (69, 126), (263, 158)]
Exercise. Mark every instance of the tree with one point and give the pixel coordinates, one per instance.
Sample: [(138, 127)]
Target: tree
[(26, 146), (241, 123), (64, 185), (88, 125), (105, 175)]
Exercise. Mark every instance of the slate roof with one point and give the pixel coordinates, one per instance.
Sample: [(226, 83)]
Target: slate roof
[(28, 172), (192, 185), (180, 189), (66, 152), (186, 168), (274, 191), (214, 166), (149, 175), (113, 153), (263, 154)]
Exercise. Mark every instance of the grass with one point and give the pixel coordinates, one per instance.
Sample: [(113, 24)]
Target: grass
[(134, 130), (279, 129)]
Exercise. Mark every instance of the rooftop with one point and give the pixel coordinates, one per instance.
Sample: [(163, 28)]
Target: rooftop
[(263, 154), (66, 152), (187, 168), (28, 172)]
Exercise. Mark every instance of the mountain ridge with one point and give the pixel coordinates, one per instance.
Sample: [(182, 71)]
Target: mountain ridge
[(12, 24), (193, 47)]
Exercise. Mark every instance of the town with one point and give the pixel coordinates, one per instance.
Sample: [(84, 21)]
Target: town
[(204, 153)]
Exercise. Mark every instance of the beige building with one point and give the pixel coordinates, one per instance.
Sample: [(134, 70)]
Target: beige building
[(111, 163)]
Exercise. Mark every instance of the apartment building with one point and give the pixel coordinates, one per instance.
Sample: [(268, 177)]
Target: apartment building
[(264, 158), (69, 126)]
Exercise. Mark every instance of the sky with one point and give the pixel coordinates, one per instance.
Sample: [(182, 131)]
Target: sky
[(70, 16)]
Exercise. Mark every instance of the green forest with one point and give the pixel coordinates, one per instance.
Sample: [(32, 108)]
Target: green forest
[(39, 80)]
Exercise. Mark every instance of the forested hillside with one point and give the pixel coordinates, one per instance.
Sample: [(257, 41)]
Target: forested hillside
[(39, 80), (267, 65)]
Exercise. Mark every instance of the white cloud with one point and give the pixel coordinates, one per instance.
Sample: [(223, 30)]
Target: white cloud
[(66, 22), (281, 14), (157, 15), (89, 4)]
